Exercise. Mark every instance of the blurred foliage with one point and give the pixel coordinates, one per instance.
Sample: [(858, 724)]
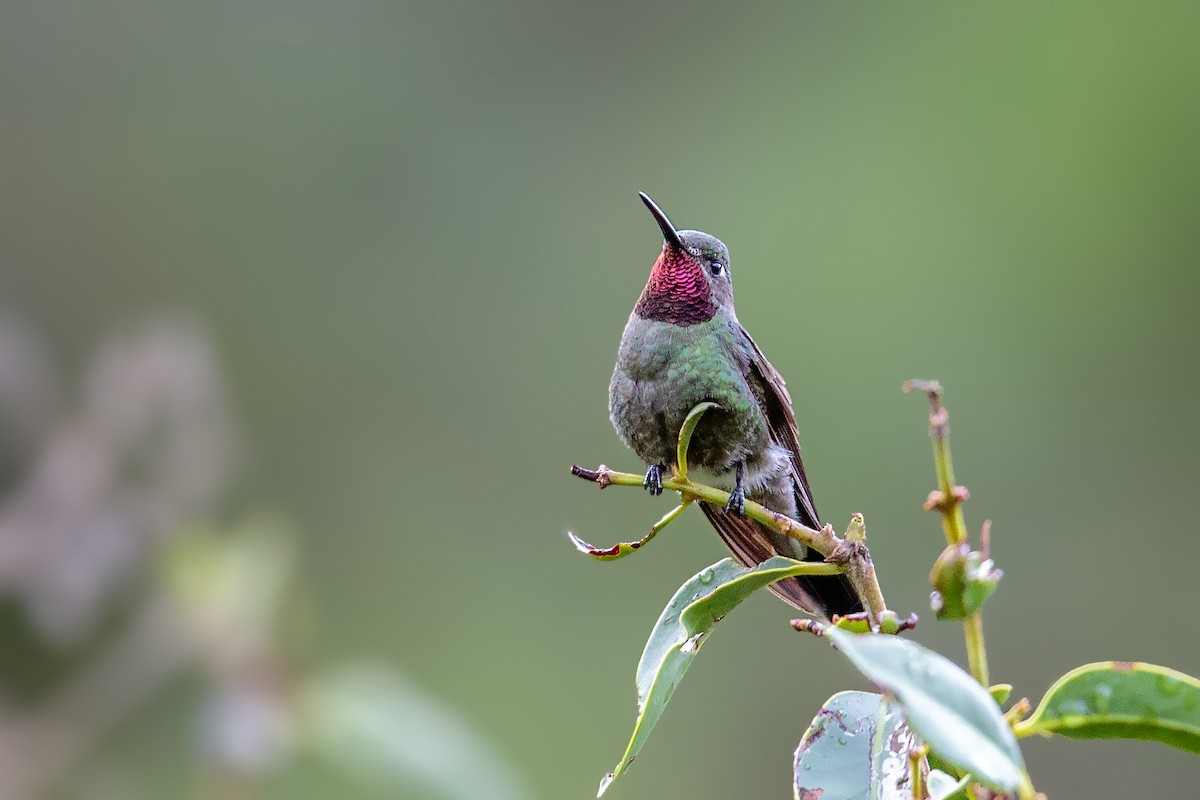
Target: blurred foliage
[(413, 231), (394, 737)]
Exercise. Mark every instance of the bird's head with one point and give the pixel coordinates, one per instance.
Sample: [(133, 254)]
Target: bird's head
[(690, 282)]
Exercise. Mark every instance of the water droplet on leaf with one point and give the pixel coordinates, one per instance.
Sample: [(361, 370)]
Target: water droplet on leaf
[(604, 782), (1102, 697), (707, 576), (1072, 708)]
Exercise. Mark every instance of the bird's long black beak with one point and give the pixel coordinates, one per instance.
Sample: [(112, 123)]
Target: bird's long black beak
[(670, 235)]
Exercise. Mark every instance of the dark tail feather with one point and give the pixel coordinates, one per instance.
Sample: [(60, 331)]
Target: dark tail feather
[(834, 592), (750, 542)]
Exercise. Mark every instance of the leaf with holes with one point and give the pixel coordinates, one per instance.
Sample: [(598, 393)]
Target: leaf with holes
[(856, 747), (952, 713)]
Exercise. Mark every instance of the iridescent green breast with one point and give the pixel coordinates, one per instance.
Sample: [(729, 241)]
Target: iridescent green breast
[(664, 370)]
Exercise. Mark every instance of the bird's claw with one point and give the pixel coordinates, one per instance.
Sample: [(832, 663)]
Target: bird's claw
[(653, 481), (737, 502)]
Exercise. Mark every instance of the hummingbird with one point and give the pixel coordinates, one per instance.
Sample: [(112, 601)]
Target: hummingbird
[(683, 345)]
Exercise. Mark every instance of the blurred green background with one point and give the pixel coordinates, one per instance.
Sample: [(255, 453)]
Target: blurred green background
[(409, 234)]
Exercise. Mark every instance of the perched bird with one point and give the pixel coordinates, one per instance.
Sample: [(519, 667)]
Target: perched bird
[(683, 345)]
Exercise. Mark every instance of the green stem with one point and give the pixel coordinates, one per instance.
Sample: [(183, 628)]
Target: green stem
[(823, 541), (955, 526), (915, 757), (976, 652), (953, 521), (857, 565), (949, 503), (819, 568), (849, 555)]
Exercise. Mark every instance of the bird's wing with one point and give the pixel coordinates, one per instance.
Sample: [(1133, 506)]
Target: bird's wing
[(781, 421), (751, 542)]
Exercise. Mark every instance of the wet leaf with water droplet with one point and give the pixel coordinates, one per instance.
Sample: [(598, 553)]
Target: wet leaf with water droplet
[(857, 746), (1121, 700), (674, 642), (955, 716), (1072, 707), (1102, 697), (371, 724)]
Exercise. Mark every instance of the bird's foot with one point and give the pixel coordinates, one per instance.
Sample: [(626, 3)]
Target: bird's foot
[(653, 482), (737, 502)]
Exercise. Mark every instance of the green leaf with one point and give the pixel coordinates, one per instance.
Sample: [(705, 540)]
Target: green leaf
[(955, 716), (1121, 700), (856, 747), (698, 605), (944, 787), (685, 434), (1000, 692)]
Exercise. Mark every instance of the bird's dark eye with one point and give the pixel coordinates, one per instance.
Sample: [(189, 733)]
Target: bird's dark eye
[(716, 267)]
